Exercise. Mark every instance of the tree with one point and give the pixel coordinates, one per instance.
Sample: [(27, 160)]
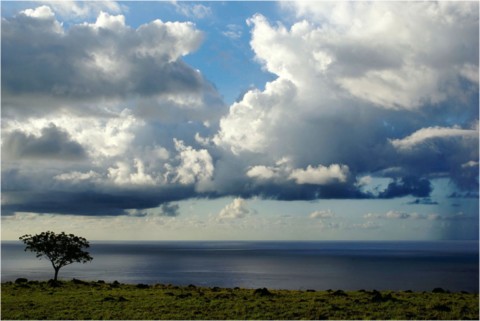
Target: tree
[(61, 249)]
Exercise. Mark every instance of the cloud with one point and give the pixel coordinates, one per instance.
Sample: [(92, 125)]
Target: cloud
[(236, 210), (320, 175), (52, 143), (396, 215), (375, 54), (359, 94), (426, 135), (196, 11), (171, 210), (407, 186), (233, 31), (316, 114), (195, 167), (326, 214), (424, 201), (74, 10), (106, 60)]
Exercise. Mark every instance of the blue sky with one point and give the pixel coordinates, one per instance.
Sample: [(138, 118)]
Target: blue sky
[(240, 120)]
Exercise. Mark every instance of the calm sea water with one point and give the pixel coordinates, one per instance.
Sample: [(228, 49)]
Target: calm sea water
[(417, 266)]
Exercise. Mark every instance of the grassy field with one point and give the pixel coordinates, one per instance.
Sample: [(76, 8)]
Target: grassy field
[(98, 300)]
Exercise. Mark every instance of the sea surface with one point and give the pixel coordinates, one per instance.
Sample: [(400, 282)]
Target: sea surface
[(348, 265)]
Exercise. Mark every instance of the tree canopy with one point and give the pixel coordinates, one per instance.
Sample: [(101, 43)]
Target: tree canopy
[(61, 249)]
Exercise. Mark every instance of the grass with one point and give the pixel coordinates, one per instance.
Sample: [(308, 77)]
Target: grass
[(99, 300)]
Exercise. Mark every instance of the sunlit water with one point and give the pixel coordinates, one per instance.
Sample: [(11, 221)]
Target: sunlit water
[(414, 266)]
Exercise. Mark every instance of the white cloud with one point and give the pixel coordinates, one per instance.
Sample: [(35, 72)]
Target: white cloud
[(325, 214), (76, 176), (197, 11), (196, 167), (42, 12), (235, 210), (83, 9), (377, 56), (123, 174), (397, 215), (233, 31), (247, 126), (425, 134), (281, 170), (320, 175)]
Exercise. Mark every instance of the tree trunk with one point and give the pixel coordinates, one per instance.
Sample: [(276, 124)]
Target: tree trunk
[(56, 275)]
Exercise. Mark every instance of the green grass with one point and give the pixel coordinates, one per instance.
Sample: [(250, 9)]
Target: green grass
[(93, 300)]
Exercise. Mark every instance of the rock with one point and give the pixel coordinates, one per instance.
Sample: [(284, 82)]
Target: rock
[(310, 290), (262, 292), (101, 282), (184, 295), (142, 286), (76, 281), (111, 298), (442, 308), (215, 289), (439, 290), (54, 284), (21, 280), (115, 284), (377, 297), (191, 286), (339, 293)]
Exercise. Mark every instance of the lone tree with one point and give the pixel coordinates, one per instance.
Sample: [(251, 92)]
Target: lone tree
[(61, 249)]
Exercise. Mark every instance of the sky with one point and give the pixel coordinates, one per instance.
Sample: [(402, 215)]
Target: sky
[(240, 120)]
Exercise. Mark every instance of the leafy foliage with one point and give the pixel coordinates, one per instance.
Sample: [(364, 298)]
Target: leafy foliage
[(61, 249)]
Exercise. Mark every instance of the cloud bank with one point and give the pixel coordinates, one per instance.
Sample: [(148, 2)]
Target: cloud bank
[(99, 118)]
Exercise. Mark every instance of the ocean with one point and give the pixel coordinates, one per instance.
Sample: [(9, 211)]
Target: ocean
[(322, 265)]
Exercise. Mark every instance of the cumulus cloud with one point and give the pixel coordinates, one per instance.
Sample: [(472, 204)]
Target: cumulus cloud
[(195, 167), (74, 10), (360, 89), (347, 95), (237, 209), (106, 59), (375, 54), (326, 214), (320, 175)]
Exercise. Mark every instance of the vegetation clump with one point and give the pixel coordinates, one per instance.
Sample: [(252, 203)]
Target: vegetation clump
[(76, 300)]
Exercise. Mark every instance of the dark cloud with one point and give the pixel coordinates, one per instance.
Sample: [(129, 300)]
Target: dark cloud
[(170, 210), (423, 201), (95, 203), (53, 143), (410, 185)]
